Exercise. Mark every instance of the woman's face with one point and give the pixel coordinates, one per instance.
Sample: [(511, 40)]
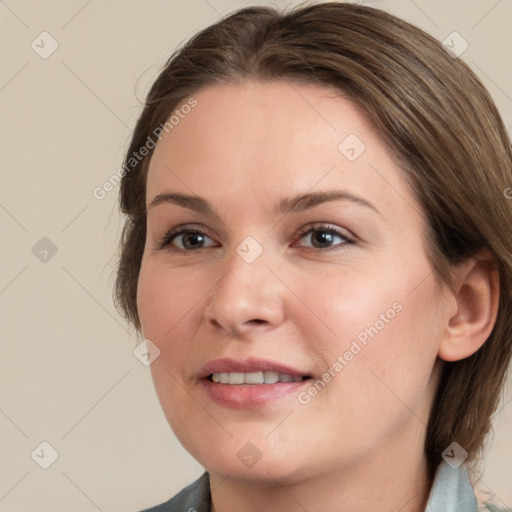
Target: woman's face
[(296, 249)]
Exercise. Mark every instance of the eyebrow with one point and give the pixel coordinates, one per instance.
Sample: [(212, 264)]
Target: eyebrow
[(294, 204)]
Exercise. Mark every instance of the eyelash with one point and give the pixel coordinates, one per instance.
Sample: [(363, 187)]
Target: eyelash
[(166, 241)]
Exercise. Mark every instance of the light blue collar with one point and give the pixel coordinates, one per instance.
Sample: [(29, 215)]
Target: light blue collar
[(451, 491)]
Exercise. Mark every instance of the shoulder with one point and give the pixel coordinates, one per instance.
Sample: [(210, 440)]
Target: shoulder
[(193, 498)]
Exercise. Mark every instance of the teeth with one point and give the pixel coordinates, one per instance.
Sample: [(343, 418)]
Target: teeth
[(236, 378), (253, 378), (271, 377)]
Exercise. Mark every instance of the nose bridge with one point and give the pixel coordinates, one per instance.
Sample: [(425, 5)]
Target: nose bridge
[(248, 294)]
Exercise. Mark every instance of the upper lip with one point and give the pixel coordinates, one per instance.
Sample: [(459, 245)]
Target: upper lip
[(250, 365)]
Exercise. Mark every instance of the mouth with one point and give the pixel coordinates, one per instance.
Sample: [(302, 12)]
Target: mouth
[(254, 378), (250, 371), (250, 383)]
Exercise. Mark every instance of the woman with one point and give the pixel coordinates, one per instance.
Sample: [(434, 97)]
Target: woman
[(317, 245)]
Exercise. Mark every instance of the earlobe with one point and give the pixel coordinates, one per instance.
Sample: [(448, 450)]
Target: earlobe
[(477, 298)]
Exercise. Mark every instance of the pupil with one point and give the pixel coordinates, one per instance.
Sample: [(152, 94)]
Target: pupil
[(192, 240), (322, 237)]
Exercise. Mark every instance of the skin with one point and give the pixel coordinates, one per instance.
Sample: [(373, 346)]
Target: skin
[(358, 444)]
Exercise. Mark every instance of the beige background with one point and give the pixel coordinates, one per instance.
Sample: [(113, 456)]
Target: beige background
[(68, 374)]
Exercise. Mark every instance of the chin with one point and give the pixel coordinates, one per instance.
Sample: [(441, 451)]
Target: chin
[(268, 472), (242, 459)]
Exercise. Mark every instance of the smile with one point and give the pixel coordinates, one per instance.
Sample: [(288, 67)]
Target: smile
[(237, 378)]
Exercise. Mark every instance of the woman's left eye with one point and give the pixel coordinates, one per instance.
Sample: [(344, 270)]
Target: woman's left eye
[(324, 237)]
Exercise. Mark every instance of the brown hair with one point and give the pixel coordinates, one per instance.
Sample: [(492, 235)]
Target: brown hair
[(434, 114)]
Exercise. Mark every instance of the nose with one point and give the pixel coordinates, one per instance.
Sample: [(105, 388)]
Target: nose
[(249, 296)]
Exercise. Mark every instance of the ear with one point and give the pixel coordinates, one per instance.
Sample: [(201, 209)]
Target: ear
[(477, 298)]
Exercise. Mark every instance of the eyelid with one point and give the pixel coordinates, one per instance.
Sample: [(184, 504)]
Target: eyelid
[(323, 225)]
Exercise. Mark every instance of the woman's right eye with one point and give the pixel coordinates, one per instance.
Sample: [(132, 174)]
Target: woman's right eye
[(186, 240)]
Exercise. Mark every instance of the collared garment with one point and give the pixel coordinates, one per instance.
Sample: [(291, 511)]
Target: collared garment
[(451, 492)]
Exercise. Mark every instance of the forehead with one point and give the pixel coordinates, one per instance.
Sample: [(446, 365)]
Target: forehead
[(267, 139)]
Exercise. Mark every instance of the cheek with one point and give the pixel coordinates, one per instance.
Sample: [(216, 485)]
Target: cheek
[(385, 328), (168, 307), (165, 296), (343, 306), (397, 300), (169, 303)]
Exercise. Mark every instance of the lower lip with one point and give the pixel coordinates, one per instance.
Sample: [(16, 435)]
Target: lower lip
[(248, 396)]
